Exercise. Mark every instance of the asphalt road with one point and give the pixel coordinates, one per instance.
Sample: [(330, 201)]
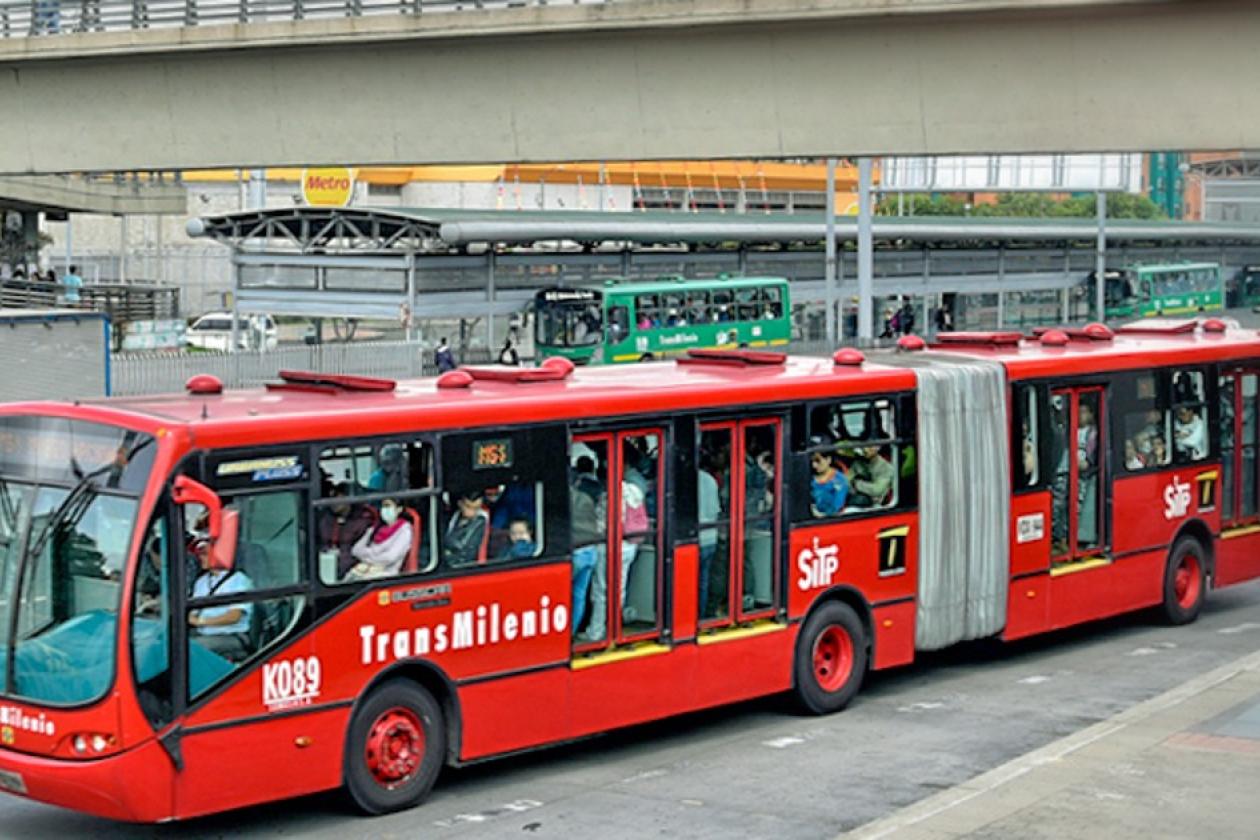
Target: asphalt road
[(762, 770)]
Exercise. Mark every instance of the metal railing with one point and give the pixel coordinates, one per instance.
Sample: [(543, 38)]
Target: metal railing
[(23, 18), (159, 372), (123, 302)]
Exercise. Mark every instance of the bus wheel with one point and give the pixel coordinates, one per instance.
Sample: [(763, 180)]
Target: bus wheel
[(646, 357), (830, 658), (395, 748), (1185, 581)]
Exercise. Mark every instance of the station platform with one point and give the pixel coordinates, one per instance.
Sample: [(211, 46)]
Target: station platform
[(1185, 764)]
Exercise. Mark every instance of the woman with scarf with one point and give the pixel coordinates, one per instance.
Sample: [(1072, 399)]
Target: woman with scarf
[(380, 552)]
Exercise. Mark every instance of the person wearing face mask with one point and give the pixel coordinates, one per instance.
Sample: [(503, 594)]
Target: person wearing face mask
[(380, 552)]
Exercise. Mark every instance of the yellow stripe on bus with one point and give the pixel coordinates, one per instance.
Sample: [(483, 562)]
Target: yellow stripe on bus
[(730, 634), (778, 341), (1233, 533), (1079, 566), (618, 655), (896, 531)]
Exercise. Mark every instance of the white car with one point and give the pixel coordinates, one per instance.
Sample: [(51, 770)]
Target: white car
[(213, 331)]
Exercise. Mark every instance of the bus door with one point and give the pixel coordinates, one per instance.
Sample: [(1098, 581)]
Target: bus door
[(1077, 518), (739, 487), (242, 696), (1240, 480), (617, 484)]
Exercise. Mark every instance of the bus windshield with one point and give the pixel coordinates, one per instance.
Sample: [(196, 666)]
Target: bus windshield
[(68, 497), (568, 318)]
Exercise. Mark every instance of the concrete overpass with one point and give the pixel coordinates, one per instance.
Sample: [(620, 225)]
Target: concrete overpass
[(56, 196), (633, 80)]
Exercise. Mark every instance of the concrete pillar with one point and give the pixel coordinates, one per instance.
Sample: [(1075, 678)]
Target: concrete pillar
[(866, 256), (829, 270)]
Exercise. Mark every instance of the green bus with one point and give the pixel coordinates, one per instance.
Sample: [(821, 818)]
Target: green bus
[(1165, 289), (635, 320)]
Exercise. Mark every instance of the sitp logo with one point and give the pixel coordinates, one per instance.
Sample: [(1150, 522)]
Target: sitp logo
[(1176, 498), (817, 565)]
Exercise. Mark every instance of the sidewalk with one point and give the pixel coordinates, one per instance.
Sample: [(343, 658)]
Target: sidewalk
[(1185, 764)]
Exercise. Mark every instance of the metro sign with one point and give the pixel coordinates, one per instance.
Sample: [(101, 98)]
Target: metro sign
[(327, 187)]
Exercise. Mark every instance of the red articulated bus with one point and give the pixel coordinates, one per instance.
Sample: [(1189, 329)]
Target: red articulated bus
[(215, 599)]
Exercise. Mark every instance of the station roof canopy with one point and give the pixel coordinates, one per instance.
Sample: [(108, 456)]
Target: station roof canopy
[(413, 230)]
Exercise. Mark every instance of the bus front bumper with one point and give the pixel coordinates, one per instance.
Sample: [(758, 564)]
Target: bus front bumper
[(134, 785)]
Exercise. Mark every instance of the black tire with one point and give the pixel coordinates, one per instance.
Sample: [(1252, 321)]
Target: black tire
[(647, 357), (398, 706), (830, 660), (1185, 581)]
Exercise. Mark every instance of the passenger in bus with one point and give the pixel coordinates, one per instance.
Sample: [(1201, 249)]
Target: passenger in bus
[(1190, 434), (1132, 459), (710, 508), (1086, 438), (1029, 460), (1159, 450), (388, 476), (466, 532), (381, 550), (635, 526), (829, 489), (520, 541), (645, 323), (871, 478), (223, 629), (341, 526), (587, 513)]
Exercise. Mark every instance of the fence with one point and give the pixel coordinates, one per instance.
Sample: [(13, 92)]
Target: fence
[(21, 18), (157, 373)]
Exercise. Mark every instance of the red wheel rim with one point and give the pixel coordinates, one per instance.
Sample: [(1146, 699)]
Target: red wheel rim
[(1187, 582), (395, 747), (833, 658)]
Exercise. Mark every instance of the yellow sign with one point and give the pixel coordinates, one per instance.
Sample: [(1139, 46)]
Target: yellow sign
[(327, 187)]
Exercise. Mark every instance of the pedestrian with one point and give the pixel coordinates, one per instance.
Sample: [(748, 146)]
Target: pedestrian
[(443, 357), (508, 355), (72, 283)]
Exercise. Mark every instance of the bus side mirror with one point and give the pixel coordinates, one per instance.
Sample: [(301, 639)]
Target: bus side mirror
[(223, 524), (223, 547)]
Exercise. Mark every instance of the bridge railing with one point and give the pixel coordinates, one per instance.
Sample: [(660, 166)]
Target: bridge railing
[(27, 18)]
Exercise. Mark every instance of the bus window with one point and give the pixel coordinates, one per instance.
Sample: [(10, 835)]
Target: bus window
[(495, 497), (1190, 438), (1059, 458), (270, 548), (588, 518), (761, 505), (698, 307), (748, 305), (1028, 463), (70, 591), (647, 311), (618, 324), (1089, 443), (363, 534), (714, 490), (772, 304), (1146, 423), (856, 452), (723, 307), (675, 310), (150, 623)]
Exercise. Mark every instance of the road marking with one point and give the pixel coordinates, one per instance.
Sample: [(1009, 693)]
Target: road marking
[(1036, 679), (920, 707), (784, 742), (1239, 628), (646, 774), (517, 807), (695, 803)]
